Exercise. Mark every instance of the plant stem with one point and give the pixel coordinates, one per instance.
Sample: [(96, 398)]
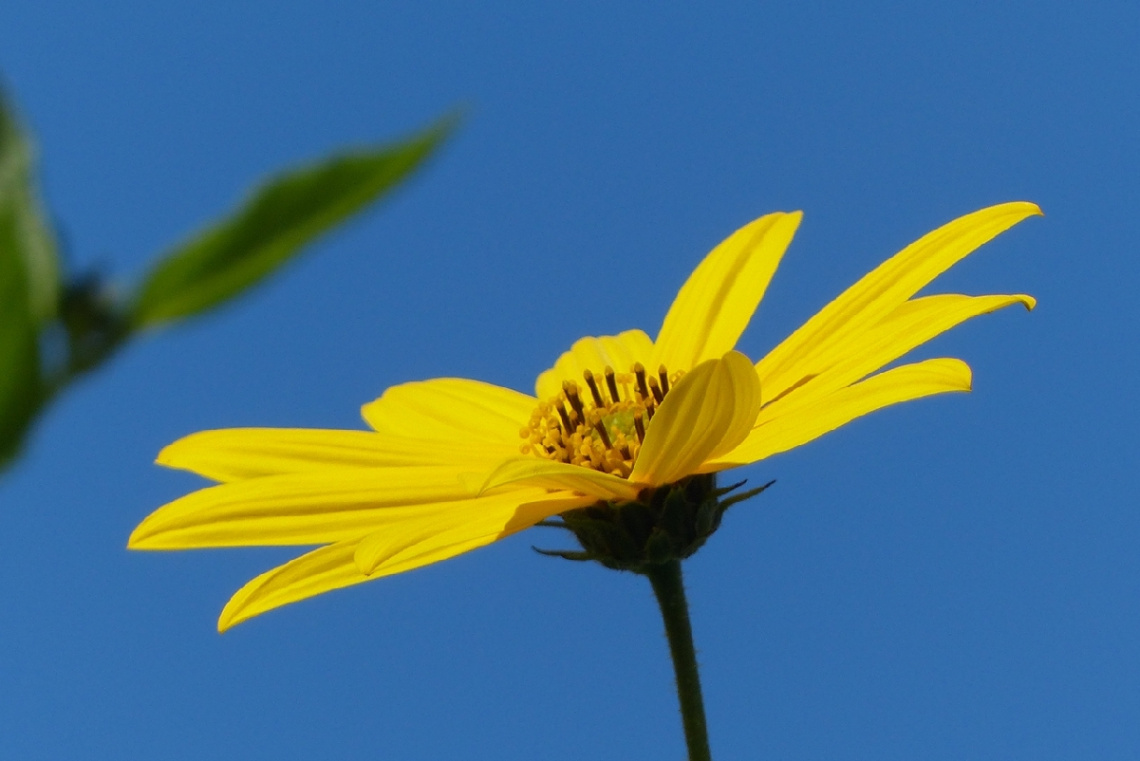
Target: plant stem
[(669, 587)]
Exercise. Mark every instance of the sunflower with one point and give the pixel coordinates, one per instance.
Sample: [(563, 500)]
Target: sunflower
[(619, 422)]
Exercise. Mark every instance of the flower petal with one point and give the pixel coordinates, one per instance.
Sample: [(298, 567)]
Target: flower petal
[(536, 471), (335, 566), (880, 292), (594, 353), (900, 384), (234, 454), (452, 410), (299, 508), (322, 570), (709, 412), (465, 526), (717, 301), (912, 324)]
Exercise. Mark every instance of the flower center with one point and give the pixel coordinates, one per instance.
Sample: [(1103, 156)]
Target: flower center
[(601, 426)]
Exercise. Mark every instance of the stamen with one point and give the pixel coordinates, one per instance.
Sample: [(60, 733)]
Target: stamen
[(570, 388), (565, 418), (593, 384), (595, 458), (626, 381), (611, 384), (639, 372), (605, 431), (601, 429), (655, 387)]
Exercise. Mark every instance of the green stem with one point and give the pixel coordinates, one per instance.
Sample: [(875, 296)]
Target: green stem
[(670, 590)]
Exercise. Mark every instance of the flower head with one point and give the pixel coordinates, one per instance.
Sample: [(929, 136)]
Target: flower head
[(453, 464)]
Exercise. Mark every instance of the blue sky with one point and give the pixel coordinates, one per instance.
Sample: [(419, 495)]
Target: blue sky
[(952, 578)]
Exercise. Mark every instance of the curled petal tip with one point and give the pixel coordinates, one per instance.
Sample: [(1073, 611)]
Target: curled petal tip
[(1033, 209), (967, 378)]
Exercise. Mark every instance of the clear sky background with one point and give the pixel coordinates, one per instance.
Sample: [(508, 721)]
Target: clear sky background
[(954, 578)]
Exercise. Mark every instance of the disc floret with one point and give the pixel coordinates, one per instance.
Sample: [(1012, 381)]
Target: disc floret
[(602, 424)]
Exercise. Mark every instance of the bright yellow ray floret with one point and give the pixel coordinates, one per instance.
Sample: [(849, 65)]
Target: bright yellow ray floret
[(453, 464)]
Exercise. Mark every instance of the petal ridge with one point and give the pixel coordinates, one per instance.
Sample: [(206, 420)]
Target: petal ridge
[(234, 454), (709, 411), (301, 508), (551, 474)]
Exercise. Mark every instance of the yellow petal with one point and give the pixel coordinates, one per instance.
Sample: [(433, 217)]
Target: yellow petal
[(593, 354), (234, 454), (708, 412), (335, 566), (321, 570), (912, 324), (463, 526), (881, 291), (717, 301), (298, 508), (535, 471), (452, 410), (900, 384)]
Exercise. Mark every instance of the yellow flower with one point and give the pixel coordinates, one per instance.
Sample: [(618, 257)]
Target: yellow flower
[(443, 472)]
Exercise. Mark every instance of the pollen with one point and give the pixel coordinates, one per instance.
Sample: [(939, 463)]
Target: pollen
[(600, 423)]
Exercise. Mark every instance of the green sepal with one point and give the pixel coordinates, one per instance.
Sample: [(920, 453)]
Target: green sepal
[(638, 521), (707, 518), (660, 548), (666, 524), (273, 225), (564, 554), (676, 517)]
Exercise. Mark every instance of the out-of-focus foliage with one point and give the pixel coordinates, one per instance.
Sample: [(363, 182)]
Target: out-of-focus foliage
[(29, 285), (281, 217), (27, 235), (20, 384), (227, 258)]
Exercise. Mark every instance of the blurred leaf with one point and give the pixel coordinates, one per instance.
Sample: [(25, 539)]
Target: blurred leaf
[(281, 217), (20, 387), (28, 234), (29, 286)]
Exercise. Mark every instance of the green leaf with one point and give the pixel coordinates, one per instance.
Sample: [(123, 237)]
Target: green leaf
[(29, 286), (273, 225), (28, 234), (20, 386)]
